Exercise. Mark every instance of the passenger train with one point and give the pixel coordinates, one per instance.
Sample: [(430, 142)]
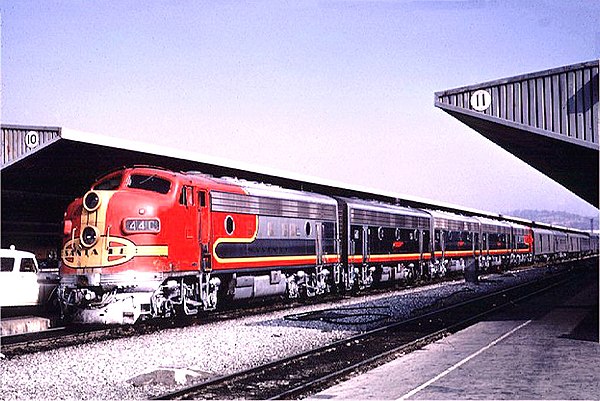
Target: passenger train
[(146, 242)]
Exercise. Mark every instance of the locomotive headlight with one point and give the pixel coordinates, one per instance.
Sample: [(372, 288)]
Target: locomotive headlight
[(134, 226), (89, 236), (91, 201)]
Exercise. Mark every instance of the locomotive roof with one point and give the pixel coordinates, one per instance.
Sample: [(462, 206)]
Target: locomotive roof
[(274, 191), (493, 222), (437, 214), (384, 207)]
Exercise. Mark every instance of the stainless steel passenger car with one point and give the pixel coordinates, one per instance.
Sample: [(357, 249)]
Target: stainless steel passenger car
[(455, 241), (382, 242)]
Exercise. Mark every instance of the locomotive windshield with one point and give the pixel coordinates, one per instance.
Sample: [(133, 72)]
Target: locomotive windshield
[(149, 183), (109, 184)]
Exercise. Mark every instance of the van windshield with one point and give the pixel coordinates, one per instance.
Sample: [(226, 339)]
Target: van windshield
[(149, 183)]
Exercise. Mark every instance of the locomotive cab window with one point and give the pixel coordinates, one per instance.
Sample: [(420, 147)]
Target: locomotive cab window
[(109, 183), (149, 183)]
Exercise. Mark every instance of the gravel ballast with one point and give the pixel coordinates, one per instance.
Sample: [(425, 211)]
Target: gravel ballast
[(149, 365)]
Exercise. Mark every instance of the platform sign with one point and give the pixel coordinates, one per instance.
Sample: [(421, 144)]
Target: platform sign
[(481, 100), (32, 139)]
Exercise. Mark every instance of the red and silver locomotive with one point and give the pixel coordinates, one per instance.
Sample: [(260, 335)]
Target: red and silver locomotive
[(147, 242)]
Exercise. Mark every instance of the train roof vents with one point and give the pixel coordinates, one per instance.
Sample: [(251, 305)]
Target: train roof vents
[(548, 119)]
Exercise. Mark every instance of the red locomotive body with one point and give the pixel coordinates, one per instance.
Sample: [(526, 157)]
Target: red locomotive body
[(147, 242)]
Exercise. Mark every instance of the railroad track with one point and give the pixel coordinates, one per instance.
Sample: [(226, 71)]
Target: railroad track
[(57, 337), (20, 344), (303, 374)]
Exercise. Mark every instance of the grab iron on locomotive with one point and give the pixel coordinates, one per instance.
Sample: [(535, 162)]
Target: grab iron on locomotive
[(146, 242)]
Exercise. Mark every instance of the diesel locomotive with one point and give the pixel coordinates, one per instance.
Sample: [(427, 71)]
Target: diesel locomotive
[(146, 242)]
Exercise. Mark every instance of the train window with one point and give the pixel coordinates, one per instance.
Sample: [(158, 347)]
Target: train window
[(186, 198), (7, 264), (149, 183), (109, 184), (202, 198), (307, 228), (229, 225), (425, 237), (285, 229), (190, 195)]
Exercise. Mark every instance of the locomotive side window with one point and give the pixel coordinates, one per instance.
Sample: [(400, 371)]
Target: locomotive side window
[(186, 198), (202, 198), (229, 225), (437, 240), (149, 183), (110, 183), (270, 229), (426, 241)]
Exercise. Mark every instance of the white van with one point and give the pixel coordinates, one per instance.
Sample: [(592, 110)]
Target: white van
[(21, 283)]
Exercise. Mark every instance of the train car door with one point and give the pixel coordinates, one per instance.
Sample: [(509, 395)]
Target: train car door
[(319, 242), (365, 244), (203, 230)]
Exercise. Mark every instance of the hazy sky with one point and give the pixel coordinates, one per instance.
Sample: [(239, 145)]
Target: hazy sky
[(342, 90)]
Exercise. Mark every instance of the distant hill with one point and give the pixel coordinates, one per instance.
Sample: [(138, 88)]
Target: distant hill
[(560, 218)]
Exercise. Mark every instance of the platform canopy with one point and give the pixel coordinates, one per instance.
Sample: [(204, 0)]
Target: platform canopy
[(549, 119), (44, 168)]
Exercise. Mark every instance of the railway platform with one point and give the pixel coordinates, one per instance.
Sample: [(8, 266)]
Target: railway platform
[(544, 348)]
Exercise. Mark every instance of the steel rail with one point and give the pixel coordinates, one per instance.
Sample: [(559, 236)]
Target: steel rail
[(57, 337), (419, 343)]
